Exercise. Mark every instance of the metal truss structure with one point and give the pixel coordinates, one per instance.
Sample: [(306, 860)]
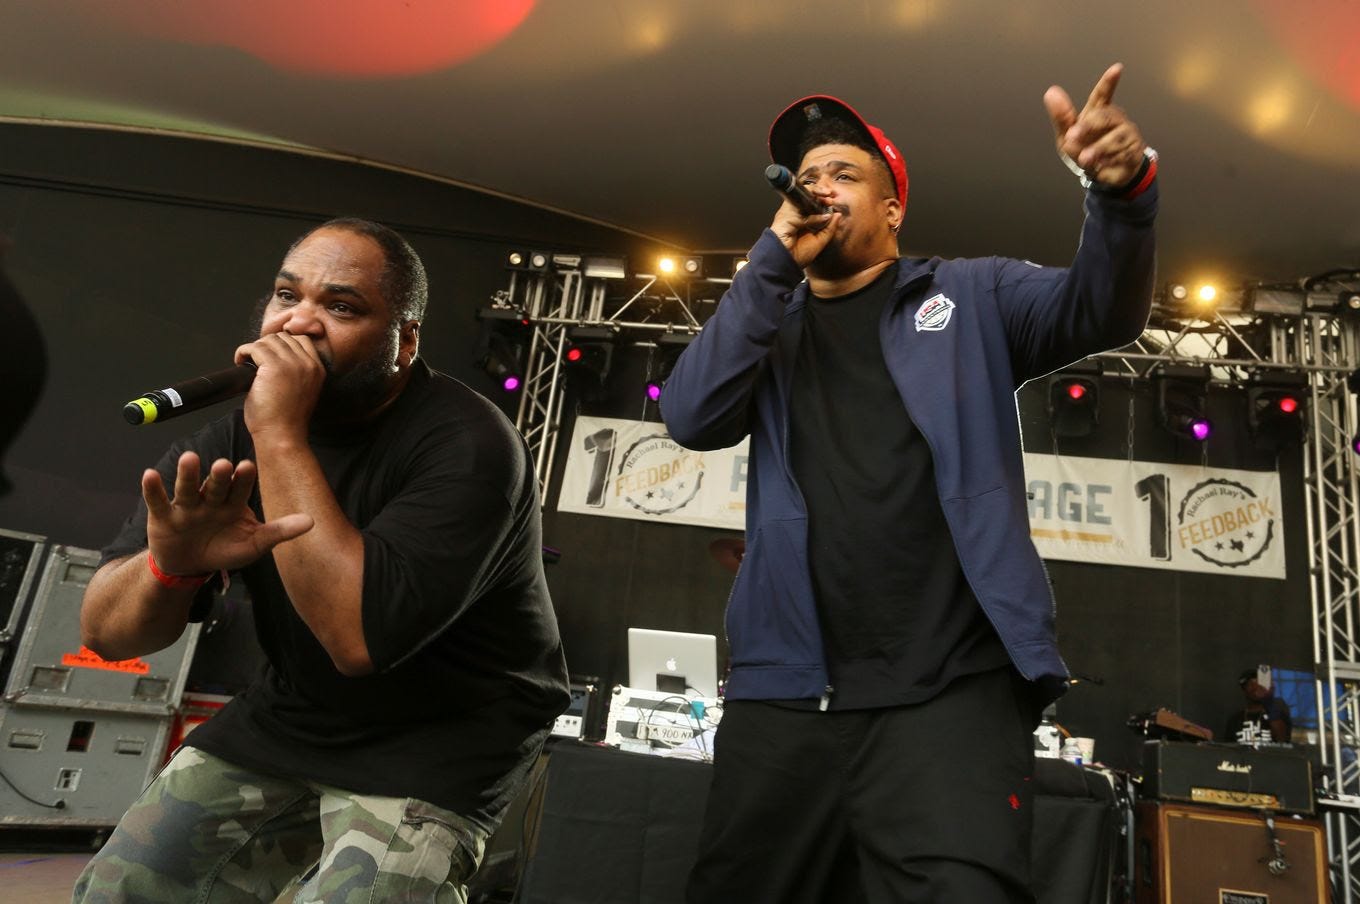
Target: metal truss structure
[(1322, 343), (553, 303)]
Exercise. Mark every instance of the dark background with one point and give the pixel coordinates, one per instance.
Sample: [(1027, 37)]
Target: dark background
[(141, 256)]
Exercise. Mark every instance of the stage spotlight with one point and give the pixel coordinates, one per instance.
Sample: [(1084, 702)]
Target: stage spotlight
[(1285, 300), (659, 367), (588, 360), (516, 260), (501, 342), (1201, 302), (503, 313), (502, 362), (1276, 407), (1074, 399), (1182, 392), (538, 260), (686, 267), (1348, 303), (602, 267), (737, 264)]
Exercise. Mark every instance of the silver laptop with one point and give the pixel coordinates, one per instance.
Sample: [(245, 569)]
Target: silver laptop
[(673, 662)]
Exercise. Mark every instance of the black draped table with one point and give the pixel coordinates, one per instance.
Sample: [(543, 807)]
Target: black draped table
[(623, 828)]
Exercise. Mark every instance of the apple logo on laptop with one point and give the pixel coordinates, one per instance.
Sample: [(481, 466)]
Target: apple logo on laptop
[(671, 664)]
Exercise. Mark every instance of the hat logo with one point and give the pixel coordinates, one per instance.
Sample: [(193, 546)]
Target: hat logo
[(934, 315)]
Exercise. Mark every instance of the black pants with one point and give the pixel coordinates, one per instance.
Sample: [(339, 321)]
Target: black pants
[(929, 803)]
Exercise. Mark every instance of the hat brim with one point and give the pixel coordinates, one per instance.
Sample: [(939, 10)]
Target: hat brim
[(789, 127)]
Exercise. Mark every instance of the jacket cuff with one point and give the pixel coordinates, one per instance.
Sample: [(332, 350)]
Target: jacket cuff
[(1141, 209), (769, 258)]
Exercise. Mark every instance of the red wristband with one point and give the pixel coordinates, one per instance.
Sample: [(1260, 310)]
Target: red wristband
[(1148, 175), (176, 581)]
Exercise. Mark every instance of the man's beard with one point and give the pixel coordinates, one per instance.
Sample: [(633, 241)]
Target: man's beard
[(347, 396), (831, 261), (351, 395)]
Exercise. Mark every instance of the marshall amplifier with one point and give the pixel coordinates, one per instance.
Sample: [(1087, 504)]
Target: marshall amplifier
[(1208, 855), (1229, 775)]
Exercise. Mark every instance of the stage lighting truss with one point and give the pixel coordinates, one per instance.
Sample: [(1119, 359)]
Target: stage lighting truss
[(1182, 393), (1277, 409), (1074, 399)]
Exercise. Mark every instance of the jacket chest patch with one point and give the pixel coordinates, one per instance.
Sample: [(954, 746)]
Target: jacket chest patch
[(934, 313)]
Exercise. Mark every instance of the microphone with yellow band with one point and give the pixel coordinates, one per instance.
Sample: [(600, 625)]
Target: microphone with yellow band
[(190, 395)]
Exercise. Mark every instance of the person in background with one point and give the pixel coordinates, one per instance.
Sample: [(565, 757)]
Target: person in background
[(1263, 716)]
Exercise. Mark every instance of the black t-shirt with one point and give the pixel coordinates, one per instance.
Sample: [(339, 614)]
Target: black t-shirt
[(898, 618), (469, 669), (1251, 724)]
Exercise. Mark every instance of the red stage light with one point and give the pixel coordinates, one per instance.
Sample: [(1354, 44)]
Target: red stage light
[(357, 39), (1075, 391), (573, 354), (1289, 404), (1318, 41)]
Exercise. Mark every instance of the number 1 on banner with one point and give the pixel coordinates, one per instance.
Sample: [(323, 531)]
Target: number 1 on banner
[(600, 445), (1156, 489)]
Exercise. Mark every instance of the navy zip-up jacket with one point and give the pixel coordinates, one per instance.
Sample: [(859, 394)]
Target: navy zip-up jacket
[(959, 338)]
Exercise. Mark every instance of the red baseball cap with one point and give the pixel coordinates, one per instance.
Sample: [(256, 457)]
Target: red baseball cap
[(787, 134)]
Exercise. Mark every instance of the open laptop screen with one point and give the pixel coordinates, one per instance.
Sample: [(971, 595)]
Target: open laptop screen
[(673, 662)]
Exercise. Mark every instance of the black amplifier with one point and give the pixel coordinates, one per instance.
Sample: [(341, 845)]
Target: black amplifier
[(1229, 775)]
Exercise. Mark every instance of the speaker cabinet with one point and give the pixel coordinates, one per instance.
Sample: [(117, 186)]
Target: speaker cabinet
[(1209, 855)]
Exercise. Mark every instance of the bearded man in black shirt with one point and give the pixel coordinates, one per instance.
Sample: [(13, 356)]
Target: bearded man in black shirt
[(386, 522)]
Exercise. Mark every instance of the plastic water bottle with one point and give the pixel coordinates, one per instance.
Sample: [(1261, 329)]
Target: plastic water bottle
[(1047, 739), (1071, 751)]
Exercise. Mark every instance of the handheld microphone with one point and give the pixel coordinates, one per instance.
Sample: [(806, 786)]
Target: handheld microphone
[(782, 181), (190, 395)]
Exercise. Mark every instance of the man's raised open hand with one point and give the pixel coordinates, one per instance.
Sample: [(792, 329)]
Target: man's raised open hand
[(209, 526)]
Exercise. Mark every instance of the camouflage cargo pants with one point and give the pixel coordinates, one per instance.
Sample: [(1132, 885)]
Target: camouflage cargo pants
[(209, 831)]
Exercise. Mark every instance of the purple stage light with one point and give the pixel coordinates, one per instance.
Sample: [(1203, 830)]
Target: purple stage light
[(1200, 429), (510, 383), (653, 391)]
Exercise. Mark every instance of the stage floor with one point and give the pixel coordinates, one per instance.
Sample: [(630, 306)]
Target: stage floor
[(38, 878)]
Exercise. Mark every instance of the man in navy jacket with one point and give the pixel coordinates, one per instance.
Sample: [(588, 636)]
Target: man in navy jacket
[(891, 626)]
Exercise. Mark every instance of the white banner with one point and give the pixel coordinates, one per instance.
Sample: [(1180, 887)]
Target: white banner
[(633, 469), (1113, 512), (1152, 515)]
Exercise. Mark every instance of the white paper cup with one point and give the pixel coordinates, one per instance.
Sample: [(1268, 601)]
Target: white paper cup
[(1088, 749)]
